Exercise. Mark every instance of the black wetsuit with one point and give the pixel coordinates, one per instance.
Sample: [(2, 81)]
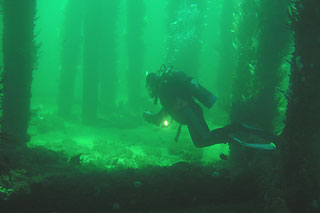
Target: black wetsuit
[(175, 86)]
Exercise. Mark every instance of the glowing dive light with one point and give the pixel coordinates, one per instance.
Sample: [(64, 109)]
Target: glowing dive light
[(165, 123)]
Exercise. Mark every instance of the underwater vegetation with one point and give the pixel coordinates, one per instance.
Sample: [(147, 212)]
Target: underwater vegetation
[(73, 92)]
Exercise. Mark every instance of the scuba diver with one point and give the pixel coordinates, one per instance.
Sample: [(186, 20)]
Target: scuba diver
[(176, 92)]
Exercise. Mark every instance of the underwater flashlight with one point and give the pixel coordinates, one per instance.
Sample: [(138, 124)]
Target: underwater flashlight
[(166, 123)]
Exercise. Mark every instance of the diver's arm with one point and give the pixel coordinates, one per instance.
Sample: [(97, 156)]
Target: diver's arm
[(155, 118)]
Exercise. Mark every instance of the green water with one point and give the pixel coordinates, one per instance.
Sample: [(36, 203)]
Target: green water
[(75, 107), (116, 145), (185, 34)]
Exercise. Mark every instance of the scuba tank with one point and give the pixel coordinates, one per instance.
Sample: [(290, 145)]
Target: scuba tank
[(203, 95), (197, 91)]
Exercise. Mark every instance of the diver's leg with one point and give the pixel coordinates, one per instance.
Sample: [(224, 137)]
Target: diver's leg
[(198, 128), (222, 134), (199, 132)]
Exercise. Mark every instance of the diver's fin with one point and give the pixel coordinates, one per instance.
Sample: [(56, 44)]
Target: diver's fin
[(243, 127), (270, 146), (246, 126)]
